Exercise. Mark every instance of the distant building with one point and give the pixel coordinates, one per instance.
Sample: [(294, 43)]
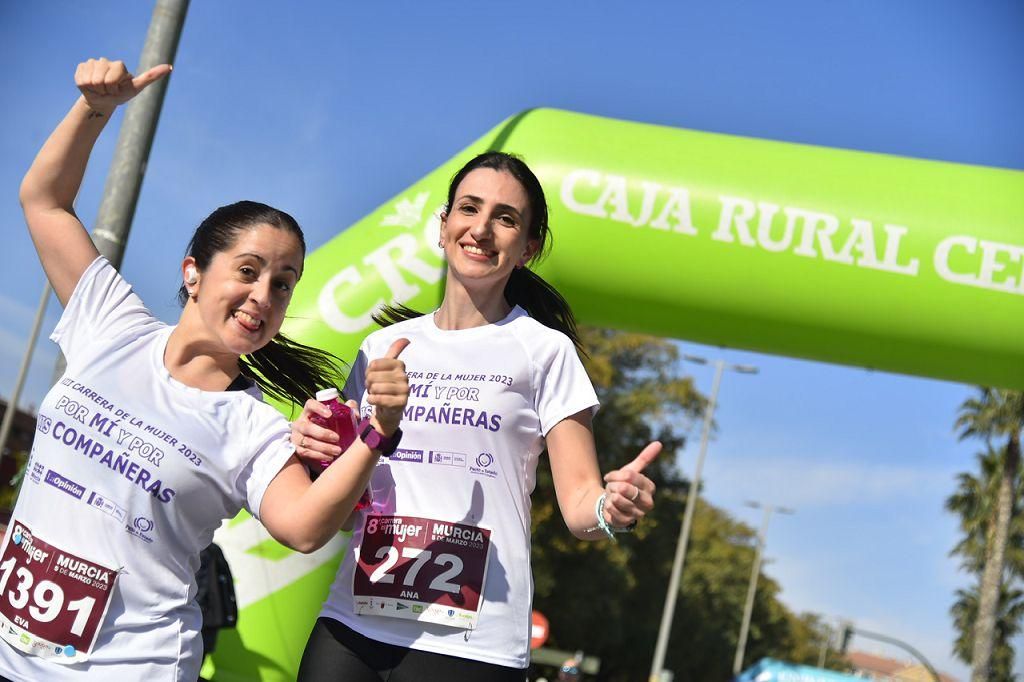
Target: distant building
[(872, 667)]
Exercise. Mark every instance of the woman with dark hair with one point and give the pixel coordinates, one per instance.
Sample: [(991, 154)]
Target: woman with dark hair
[(436, 584), (155, 434)]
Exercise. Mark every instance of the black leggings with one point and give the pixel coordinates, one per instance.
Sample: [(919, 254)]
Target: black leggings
[(335, 652)]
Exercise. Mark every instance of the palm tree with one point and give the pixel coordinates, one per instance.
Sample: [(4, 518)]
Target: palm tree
[(974, 502), (1010, 611), (995, 413)]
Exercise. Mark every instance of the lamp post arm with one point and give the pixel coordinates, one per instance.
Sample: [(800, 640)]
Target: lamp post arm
[(903, 645)]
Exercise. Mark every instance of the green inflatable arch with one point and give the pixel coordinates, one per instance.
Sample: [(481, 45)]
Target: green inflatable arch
[(847, 257)]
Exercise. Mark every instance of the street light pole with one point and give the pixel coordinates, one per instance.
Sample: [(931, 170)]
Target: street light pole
[(748, 608), (848, 630), (26, 361), (825, 643), (668, 612)]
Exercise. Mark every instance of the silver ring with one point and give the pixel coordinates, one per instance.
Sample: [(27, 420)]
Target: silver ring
[(635, 494)]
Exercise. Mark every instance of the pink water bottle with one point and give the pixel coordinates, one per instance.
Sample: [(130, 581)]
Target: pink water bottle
[(341, 422)]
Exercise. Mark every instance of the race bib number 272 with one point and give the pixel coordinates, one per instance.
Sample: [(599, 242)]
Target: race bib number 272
[(421, 569), (52, 602)]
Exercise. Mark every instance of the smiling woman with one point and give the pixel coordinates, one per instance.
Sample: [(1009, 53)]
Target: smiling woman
[(436, 582), (247, 257), (124, 491)]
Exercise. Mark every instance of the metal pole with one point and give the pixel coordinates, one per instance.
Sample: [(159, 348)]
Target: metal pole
[(748, 608), (903, 645), (124, 180), (684, 532), (19, 383), (823, 652)]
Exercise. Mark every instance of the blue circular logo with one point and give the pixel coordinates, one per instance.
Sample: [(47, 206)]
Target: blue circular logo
[(484, 460), (17, 538), (69, 651)]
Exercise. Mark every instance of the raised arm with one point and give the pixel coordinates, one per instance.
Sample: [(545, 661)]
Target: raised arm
[(48, 191), (305, 515), (629, 495)]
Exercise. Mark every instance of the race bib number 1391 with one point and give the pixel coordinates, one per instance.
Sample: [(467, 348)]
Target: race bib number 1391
[(52, 602), (421, 569)]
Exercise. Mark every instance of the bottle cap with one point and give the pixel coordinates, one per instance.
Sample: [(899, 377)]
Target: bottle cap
[(327, 394)]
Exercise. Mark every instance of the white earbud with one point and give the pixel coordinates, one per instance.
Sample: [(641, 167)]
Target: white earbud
[(191, 275)]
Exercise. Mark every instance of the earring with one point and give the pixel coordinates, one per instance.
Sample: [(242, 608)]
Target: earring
[(191, 276), (440, 243)]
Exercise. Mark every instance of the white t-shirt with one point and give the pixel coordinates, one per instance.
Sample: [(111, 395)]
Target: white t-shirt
[(481, 402), (132, 470)]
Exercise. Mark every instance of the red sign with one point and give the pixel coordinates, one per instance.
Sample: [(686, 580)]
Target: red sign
[(538, 630)]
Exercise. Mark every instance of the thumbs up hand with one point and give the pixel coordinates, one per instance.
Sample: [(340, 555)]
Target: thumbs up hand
[(387, 387), (105, 84), (628, 493)]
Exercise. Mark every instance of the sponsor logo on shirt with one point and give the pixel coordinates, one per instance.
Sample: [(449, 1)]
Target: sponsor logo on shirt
[(107, 506), (64, 484), (452, 459), (402, 455), (35, 474), (139, 527), (483, 465)]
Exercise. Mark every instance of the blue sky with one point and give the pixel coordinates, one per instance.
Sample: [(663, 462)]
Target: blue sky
[(330, 109)]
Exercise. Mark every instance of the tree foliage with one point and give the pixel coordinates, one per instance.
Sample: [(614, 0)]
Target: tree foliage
[(1008, 618), (607, 598), (974, 502), (988, 506)]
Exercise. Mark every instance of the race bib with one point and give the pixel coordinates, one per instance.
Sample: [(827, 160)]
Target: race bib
[(421, 569), (52, 602)]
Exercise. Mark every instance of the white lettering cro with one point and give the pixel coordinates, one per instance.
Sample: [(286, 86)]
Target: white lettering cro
[(388, 262)]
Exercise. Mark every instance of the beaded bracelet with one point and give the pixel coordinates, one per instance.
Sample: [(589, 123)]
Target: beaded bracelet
[(606, 527)]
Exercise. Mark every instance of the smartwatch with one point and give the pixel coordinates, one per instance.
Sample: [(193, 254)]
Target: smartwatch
[(375, 440)]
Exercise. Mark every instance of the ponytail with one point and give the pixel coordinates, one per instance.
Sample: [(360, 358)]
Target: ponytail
[(542, 301), (290, 371), (387, 315)]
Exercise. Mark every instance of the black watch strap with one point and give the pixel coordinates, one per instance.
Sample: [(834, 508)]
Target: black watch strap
[(375, 440)]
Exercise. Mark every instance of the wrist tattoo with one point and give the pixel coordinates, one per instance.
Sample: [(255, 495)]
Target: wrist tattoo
[(94, 114)]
